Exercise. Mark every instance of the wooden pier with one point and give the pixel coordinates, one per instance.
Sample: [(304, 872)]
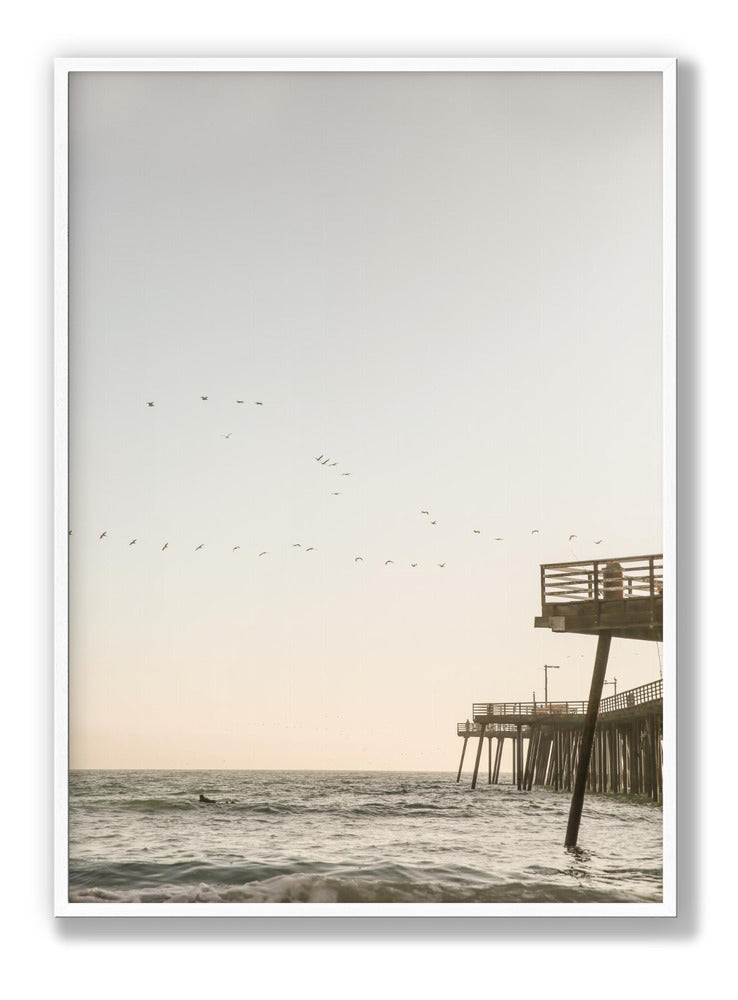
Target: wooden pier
[(482, 731), (627, 753), (611, 745), (611, 598)]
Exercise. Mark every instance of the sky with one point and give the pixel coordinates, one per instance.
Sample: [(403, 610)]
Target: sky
[(447, 283)]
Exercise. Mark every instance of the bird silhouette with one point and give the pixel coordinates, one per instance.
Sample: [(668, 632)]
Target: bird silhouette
[(259, 404), (332, 464), (133, 542), (239, 401), (413, 565), (359, 559), (296, 545), (263, 553), (425, 512), (499, 539), (441, 565), (149, 404), (599, 541), (476, 531), (165, 546), (104, 535), (335, 494), (572, 537), (389, 561), (203, 398), (235, 547), (326, 461), (226, 436), (197, 548), (319, 458), (535, 531), (434, 522), (345, 473), (310, 549)]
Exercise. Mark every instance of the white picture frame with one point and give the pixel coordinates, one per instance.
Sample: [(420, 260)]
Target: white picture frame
[(666, 68)]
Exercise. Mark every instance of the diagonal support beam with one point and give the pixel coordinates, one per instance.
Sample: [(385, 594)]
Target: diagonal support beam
[(585, 753), (461, 762), (479, 756)]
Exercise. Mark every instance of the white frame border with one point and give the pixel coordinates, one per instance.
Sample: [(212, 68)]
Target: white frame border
[(62, 68)]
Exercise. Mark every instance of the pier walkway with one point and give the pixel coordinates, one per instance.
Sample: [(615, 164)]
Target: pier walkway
[(626, 753)]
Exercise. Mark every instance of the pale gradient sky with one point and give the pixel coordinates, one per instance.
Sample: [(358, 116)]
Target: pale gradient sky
[(448, 283)]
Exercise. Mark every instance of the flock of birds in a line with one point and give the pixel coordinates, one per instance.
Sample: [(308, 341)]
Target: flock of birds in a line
[(326, 462)]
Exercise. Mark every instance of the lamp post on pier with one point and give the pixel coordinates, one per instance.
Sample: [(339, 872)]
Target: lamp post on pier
[(614, 683), (546, 668)]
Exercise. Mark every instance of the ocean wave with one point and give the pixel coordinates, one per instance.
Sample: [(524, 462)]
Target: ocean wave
[(268, 808), (330, 889), (152, 805)]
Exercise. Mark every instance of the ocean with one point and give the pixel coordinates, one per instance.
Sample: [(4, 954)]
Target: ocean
[(350, 837)]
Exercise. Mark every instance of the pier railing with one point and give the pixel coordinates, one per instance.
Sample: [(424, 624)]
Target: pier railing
[(636, 696), (533, 708), (475, 729), (602, 579), (643, 695)]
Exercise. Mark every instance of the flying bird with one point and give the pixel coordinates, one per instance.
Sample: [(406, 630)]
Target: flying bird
[(296, 545), (239, 401), (165, 546), (259, 404), (133, 542), (359, 559), (104, 535), (413, 565), (476, 531), (599, 541), (335, 494), (572, 537), (499, 539), (149, 404), (263, 553), (197, 549), (387, 563), (319, 457), (425, 512), (326, 461), (226, 436), (235, 547), (203, 398), (441, 565), (345, 473), (310, 549), (434, 522), (332, 464), (535, 531)]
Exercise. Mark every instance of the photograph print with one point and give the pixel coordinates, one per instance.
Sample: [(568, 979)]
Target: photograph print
[(365, 491)]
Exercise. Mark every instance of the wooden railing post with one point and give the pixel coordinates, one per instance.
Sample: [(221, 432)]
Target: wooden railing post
[(597, 591)]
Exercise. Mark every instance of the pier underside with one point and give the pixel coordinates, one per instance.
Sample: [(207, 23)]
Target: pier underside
[(626, 618)]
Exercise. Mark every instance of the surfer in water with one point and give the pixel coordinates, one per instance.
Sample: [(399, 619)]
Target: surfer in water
[(204, 799)]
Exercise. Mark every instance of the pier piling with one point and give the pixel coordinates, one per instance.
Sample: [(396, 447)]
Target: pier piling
[(585, 753)]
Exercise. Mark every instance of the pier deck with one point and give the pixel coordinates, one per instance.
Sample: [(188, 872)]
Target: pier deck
[(622, 596)]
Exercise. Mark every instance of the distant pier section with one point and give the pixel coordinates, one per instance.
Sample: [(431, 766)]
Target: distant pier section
[(626, 754)]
